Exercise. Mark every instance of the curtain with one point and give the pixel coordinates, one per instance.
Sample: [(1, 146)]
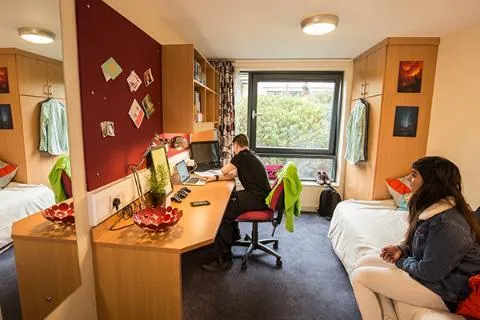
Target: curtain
[(226, 110)]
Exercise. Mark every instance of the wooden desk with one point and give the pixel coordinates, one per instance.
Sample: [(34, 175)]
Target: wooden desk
[(138, 275), (46, 259)]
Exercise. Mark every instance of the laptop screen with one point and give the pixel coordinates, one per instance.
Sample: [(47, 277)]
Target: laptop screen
[(182, 171), (205, 152)]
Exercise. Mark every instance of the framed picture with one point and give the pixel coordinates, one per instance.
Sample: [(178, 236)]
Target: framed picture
[(4, 80), (406, 119), (158, 163), (410, 77), (6, 121)]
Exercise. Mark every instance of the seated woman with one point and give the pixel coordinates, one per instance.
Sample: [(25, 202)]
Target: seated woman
[(431, 268)]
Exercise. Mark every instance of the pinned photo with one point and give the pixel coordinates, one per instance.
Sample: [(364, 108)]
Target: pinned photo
[(4, 80), (134, 81), (111, 69), (148, 106), (108, 129), (136, 113), (6, 121), (148, 77)]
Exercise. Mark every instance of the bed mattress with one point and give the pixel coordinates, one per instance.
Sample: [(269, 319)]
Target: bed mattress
[(360, 228), (17, 201)]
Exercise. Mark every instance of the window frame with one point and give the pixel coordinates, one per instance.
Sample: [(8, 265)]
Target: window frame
[(336, 77)]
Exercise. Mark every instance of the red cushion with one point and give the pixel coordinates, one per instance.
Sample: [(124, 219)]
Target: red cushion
[(261, 215), (67, 184)]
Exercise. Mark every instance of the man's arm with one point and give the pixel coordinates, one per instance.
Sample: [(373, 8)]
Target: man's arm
[(229, 176), (228, 168)]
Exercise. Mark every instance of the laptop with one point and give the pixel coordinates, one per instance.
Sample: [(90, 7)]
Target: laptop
[(185, 177), (206, 155)]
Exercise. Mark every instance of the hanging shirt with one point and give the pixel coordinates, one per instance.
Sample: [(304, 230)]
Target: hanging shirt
[(53, 128), (357, 135)]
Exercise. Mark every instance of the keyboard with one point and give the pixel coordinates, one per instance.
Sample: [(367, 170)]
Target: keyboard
[(192, 180)]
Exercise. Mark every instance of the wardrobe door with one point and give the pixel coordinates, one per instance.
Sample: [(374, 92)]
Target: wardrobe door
[(32, 76), (55, 80)]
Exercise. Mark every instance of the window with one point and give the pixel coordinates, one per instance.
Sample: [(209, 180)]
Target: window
[(291, 116)]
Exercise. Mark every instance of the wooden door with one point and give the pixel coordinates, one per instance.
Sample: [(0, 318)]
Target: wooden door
[(359, 69), (32, 76), (55, 80), (39, 163), (375, 72)]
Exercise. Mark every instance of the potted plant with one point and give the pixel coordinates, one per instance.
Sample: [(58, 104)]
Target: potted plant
[(158, 181)]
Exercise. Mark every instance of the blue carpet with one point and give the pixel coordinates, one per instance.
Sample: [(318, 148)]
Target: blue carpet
[(312, 283), (9, 299)]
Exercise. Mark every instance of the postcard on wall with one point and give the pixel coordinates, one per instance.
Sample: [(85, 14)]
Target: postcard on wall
[(136, 113), (111, 69), (134, 81), (6, 121), (108, 128), (148, 106), (4, 80), (406, 119), (148, 77), (410, 77)]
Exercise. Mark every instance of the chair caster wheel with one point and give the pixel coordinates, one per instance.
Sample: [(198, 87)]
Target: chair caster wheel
[(279, 262), (275, 245), (244, 266), (247, 238)]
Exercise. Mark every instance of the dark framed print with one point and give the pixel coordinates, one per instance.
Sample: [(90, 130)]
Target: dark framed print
[(4, 88), (6, 121), (406, 120), (410, 77)]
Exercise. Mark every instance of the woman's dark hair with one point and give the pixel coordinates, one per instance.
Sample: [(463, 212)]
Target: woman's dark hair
[(441, 179)]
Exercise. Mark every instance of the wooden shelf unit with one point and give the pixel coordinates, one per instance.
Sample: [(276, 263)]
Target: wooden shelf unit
[(180, 85)]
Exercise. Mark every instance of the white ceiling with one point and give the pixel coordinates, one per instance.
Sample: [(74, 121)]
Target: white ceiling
[(30, 13), (270, 29)]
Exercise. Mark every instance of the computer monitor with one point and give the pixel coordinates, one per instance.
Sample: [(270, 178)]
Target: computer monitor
[(182, 171), (206, 154)]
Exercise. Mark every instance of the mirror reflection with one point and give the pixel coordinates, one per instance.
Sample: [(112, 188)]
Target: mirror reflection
[(38, 251)]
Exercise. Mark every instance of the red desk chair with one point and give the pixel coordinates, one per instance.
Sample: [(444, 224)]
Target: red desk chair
[(274, 216)]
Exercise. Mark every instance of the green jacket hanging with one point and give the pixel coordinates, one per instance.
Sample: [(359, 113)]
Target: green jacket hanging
[(55, 177), (292, 191)]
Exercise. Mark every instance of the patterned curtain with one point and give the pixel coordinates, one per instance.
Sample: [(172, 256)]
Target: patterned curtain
[(226, 110)]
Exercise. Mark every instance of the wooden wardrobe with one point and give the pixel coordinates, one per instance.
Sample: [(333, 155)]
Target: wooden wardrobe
[(375, 79), (32, 80)]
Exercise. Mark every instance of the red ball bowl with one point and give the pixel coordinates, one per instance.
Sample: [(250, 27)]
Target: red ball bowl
[(158, 219), (61, 213)]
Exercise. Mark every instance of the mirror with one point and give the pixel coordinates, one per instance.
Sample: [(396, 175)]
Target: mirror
[(39, 257)]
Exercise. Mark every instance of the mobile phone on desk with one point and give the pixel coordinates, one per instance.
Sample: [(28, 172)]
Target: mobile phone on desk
[(200, 203)]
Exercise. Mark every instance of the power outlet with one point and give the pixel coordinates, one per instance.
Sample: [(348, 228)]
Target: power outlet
[(120, 195)]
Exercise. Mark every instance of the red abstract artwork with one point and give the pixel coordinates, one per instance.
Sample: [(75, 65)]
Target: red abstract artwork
[(410, 76), (4, 80)]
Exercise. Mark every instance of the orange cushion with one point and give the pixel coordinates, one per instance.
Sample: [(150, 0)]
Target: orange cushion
[(7, 172)]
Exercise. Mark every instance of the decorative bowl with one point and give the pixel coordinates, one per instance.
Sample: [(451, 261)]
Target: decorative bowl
[(61, 213), (158, 219)]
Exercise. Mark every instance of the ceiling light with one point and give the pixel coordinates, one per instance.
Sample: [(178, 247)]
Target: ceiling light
[(319, 24), (36, 35)]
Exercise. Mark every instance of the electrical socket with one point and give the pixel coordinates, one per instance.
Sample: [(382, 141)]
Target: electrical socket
[(120, 195)]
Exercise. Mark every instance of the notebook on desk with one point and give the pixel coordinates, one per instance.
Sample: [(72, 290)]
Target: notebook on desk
[(185, 177)]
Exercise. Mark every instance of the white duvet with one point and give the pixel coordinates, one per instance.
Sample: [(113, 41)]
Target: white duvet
[(361, 228), (17, 201)]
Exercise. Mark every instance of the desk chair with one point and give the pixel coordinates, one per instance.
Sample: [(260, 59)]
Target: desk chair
[(274, 216)]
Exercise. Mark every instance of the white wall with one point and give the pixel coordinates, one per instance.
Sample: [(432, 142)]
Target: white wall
[(455, 120), (311, 191), (81, 304)]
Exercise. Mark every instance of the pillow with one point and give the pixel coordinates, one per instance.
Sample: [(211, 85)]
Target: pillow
[(7, 172), (400, 190)]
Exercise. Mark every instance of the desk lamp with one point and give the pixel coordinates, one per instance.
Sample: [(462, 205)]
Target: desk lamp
[(155, 141)]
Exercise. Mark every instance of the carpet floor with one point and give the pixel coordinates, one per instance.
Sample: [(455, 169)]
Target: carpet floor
[(311, 285)]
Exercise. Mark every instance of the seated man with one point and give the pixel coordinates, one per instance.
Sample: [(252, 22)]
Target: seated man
[(253, 176)]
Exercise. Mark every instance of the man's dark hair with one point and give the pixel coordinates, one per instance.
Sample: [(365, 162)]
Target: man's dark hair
[(241, 140)]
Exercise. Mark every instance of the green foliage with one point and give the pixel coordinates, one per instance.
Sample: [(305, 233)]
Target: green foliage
[(158, 181), (289, 121)]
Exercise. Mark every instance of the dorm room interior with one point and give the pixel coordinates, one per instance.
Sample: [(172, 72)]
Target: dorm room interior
[(114, 114)]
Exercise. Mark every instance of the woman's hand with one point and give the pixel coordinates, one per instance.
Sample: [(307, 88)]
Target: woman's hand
[(391, 254)]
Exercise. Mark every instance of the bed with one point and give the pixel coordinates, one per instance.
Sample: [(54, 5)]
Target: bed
[(360, 228), (17, 201)]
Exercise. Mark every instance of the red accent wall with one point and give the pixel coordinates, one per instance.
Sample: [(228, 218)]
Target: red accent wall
[(103, 33)]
